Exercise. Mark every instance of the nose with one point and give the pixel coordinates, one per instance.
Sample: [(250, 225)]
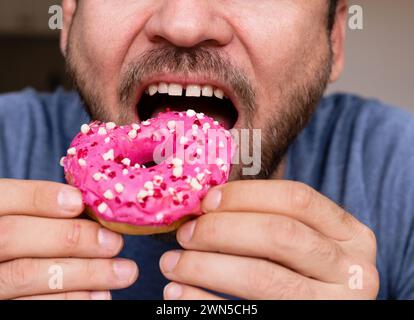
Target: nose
[(188, 23)]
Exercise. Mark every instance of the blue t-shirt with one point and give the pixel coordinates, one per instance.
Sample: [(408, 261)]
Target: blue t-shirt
[(357, 152)]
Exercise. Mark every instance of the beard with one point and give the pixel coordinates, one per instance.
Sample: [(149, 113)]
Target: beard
[(298, 97)]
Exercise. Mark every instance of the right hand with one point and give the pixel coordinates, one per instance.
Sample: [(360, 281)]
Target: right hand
[(36, 233)]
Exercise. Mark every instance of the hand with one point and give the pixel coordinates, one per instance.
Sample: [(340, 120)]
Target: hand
[(37, 239), (272, 240)]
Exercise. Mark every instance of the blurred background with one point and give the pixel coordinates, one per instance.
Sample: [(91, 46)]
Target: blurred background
[(379, 57)]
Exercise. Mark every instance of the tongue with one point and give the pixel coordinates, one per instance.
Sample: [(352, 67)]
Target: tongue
[(218, 110)]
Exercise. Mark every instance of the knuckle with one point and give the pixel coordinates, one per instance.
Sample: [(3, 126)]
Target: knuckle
[(286, 229), (20, 274), (261, 279), (323, 249), (7, 229), (71, 234), (370, 236), (292, 286), (210, 229), (372, 282), (92, 271), (36, 194), (300, 196)]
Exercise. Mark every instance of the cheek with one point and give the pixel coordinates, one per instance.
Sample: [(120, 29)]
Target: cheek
[(281, 46), (105, 34)]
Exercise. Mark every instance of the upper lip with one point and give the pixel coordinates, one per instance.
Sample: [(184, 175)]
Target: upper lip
[(187, 80)]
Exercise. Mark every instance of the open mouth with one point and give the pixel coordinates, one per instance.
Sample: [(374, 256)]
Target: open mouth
[(205, 98)]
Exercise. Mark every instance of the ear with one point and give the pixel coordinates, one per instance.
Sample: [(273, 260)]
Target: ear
[(69, 9), (338, 40)]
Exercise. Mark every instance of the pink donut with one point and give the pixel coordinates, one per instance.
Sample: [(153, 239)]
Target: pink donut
[(190, 153)]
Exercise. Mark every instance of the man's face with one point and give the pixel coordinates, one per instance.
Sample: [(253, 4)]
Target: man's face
[(272, 58)]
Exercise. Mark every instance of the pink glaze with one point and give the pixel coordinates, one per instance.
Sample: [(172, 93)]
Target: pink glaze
[(105, 162)]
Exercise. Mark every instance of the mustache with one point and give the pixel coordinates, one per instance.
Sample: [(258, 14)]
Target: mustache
[(186, 61)]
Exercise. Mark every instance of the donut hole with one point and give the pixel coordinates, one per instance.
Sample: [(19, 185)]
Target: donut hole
[(142, 152)]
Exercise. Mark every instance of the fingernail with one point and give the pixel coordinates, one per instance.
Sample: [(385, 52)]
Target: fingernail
[(212, 201), (185, 233), (124, 269), (70, 199), (173, 291), (108, 239), (169, 260), (100, 295)]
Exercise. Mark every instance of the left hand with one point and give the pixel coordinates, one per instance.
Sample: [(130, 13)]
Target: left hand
[(272, 239)]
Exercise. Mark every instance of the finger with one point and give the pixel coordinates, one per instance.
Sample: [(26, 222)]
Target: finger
[(29, 277), (242, 277), (31, 237), (39, 198), (278, 238), (80, 295), (293, 199), (178, 291)]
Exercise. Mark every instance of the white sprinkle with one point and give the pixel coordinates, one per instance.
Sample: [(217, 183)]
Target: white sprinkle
[(206, 126), (107, 140), (178, 172), (224, 168), (149, 185), (219, 162), (110, 125), (171, 125), (82, 162), (158, 180), (177, 162), (119, 187), (200, 176), (137, 166), (200, 116), (183, 140), (62, 161), (199, 151), (171, 190), (159, 216), (102, 207), (178, 197), (136, 126), (109, 155), (195, 184), (221, 144), (85, 129), (108, 195), (97, 177), (125, 172), (72, 151), (132, 134), (216, 123), (102, 131), (150, 192), (146, 123), (142, 194), (126, 162), (191, 113), (194, 127)]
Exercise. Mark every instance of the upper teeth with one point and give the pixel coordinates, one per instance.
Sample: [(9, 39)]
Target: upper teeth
[(191, 90)]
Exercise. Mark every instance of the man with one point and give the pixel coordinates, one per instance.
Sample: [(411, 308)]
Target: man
[(303, 228)]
